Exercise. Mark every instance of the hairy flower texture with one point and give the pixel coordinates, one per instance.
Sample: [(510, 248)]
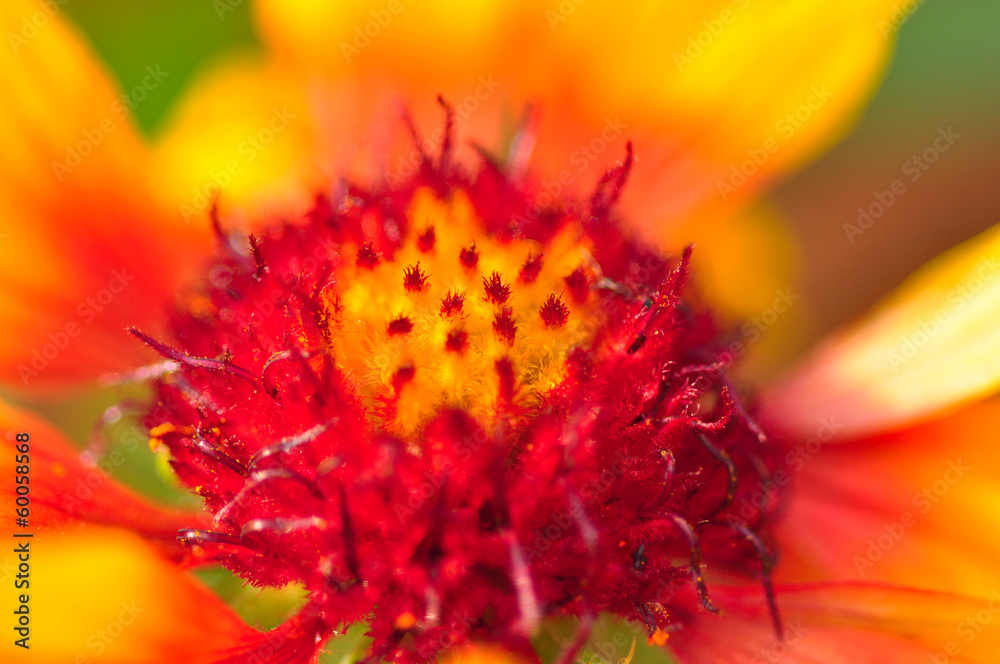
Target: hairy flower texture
[(445, 418)]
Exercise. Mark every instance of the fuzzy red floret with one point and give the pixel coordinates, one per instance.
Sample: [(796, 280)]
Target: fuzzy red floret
[(554, 311), (414, 278), (608, 493), (452, 304), (469, 256), (497, 292)]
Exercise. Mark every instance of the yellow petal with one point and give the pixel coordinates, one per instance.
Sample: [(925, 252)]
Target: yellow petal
[(242, 135), (104, 596), (83, 252), (924, 351), (747, 266), (704, 89)]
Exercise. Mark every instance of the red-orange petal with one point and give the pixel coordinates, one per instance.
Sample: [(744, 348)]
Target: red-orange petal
[(843, 624), (84, 252), (105, 596), (65, 491), (917, 507)]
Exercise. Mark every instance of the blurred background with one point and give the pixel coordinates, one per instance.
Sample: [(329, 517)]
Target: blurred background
[(945, 75)]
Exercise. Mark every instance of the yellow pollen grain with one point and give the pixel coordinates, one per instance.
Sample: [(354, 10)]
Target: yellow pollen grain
[(364, 300), (405, 620), (156, 435)]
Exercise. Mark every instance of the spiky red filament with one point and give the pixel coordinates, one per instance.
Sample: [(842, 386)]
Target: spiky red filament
[(441, 464), (554, 312)]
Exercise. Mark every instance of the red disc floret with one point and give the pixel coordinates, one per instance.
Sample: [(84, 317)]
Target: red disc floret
[(613, 491)]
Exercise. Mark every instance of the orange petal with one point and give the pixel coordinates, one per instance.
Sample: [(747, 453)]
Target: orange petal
[(919, 507), (480, 655), (927, 349), (64, 491), (841, 624), (84, 251), (701, 88), (103, 595)]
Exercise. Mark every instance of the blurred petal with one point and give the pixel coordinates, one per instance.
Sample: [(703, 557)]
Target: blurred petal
[(840, 624), (480, 655), (919, 507), (701, 88), (242, 133), (927, 349), (745, 265), (65, 491), (103, 595), (83, 252)]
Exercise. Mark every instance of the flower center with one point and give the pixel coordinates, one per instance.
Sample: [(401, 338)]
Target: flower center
[(424, 328), (453, 419)]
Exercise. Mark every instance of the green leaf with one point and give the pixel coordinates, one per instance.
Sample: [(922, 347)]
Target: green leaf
[(348, 647), (610, 642)]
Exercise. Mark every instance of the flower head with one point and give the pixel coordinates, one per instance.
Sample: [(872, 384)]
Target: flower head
[(455, 446)]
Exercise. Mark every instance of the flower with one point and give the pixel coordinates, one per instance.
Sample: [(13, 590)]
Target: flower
[(425, 440), (305, 401)]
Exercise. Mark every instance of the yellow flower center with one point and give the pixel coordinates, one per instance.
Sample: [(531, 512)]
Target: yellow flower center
[(425, 328)]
